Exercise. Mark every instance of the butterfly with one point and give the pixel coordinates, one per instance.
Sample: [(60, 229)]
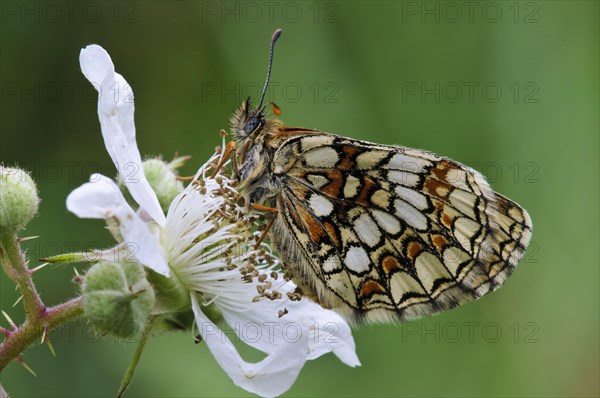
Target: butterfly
[(379, 233)]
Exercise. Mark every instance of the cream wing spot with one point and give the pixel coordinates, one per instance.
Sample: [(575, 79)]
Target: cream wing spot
[(412, 216), (367, 230), (311, 142), (458, 178), (351, 187), (381, 198), (332, 264), (429, 268), (387, 222), (357, 260), (405, 178), (320, 206), (401, 283), (517, 230), (341, 284), (516, 214), (317, 180), (321, 157), (370, 159), (464, 230), (403, 162), (463, 202), (413, 197)]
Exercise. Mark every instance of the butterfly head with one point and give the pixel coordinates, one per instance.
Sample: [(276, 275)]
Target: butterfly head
[(247, 122)]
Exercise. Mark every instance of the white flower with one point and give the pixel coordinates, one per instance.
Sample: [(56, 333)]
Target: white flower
[(206, 241)]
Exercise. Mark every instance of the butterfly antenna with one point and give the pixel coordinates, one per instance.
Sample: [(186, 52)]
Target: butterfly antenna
[(274, 38)]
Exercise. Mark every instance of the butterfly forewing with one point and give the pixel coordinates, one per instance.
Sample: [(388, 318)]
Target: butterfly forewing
[(390, 233)]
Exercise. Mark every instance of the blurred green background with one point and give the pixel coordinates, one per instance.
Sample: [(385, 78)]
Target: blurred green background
[(510, 88)]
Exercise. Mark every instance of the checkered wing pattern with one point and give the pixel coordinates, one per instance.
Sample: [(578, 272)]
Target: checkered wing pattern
[(385, 233)]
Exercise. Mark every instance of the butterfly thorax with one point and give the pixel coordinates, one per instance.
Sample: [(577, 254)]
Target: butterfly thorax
[(255, 135)]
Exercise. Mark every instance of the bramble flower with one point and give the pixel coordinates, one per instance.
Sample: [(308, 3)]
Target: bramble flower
[(202, 253)]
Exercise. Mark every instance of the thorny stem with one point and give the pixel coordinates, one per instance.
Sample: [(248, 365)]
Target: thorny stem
[(148, 328), (15, 267), (31, 331), (39, 319)]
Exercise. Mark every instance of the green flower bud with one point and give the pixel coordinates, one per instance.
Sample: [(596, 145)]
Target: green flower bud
[(163, 181), (117, 298), (19, 200)]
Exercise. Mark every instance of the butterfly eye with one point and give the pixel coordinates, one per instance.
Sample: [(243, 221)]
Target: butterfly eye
[(251, 124)]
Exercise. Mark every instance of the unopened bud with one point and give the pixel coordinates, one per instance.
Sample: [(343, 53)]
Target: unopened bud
[(163, 181), (19, 200), (117, 298)]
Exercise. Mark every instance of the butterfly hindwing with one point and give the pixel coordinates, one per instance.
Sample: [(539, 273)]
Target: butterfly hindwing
[(390, 233)]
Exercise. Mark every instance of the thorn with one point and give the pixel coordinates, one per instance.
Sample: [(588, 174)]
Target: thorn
[(44, 335), (22, 362), (27, 238), (5, 331), (51, 346), (10, 321), (78, 278), (39, 267), (18, 300)]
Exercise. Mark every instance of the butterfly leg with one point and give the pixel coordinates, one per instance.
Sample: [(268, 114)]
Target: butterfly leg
[(258, 207), (272, 210), (227, 153)]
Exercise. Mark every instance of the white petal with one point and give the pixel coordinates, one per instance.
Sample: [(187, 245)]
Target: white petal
[(260, 326), (270, 377), (115, 111), (333, 334), (101, 198)]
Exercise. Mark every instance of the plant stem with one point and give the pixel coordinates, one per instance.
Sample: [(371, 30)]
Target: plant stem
[(32, 329), (148, 328), (39, 319), (16, 269)]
